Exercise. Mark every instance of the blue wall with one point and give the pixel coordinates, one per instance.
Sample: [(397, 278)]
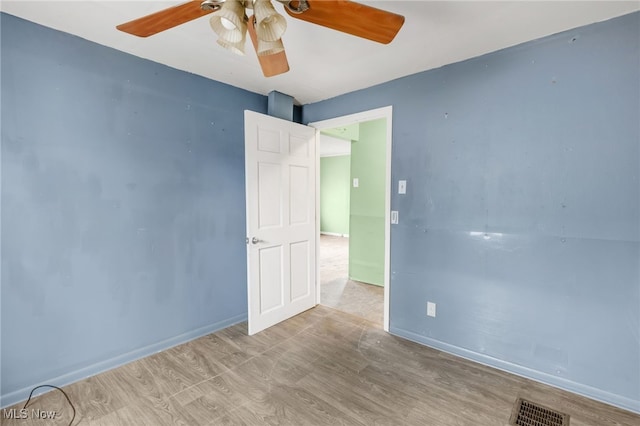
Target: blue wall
[(522, 217), (122, 207)]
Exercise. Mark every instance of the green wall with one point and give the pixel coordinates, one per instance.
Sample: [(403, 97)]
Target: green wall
[(366, 225), (334, 194), (349, 133)]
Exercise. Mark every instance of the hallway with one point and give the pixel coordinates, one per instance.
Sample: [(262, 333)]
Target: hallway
[(341, 293)]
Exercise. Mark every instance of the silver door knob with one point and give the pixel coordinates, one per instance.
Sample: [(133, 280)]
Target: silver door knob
[(255, 240)]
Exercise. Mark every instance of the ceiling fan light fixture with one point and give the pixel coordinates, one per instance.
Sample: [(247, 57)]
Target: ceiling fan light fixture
[(236, 47), (270, 25), (229, 22), (266, 48)]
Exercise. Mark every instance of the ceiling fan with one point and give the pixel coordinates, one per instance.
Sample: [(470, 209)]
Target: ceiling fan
[(266, 26)]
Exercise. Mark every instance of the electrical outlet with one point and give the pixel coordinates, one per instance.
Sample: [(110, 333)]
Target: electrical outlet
[(431, 309), (356, 182), (402, 187)]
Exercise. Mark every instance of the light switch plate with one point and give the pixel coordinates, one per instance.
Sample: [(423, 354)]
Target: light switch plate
[(402, 187), (394, 217), (356, 183)]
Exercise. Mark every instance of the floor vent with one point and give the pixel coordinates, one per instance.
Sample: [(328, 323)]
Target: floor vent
[(527, 413)]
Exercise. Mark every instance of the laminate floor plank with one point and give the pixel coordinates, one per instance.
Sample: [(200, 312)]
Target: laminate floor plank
[(322, 367), (360, 408), (196, 357), (347, 384), (144, 412), (95, 398), (211, 399)]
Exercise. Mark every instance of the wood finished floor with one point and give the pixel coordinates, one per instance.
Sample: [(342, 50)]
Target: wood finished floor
[(341, 293), (322, 367)]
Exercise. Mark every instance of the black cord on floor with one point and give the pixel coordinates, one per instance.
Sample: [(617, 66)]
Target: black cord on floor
[(63, 392)]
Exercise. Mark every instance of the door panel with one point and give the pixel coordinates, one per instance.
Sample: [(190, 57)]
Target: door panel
[(300, 278), (299, 195), (281, 230), (269, 141), (269, 195), (271, 279)]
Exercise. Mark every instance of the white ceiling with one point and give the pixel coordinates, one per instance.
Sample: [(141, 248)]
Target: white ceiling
[(326, 63)]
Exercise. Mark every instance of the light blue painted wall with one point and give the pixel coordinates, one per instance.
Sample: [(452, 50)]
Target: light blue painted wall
[(122, 207), (522, 217)]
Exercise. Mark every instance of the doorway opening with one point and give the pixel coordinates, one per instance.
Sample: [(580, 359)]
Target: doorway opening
[(353, 198)]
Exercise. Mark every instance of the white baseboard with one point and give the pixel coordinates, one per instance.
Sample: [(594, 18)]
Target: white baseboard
[(334, 234)]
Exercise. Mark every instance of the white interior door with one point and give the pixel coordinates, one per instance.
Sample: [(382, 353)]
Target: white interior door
[(280, 178)]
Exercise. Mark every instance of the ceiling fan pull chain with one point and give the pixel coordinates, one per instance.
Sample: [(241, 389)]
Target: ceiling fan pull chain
[(300, 8)]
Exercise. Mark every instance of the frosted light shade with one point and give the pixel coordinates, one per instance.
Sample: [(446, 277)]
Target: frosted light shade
[(270, 25), (236, 47), (229, 22), (266, 48)]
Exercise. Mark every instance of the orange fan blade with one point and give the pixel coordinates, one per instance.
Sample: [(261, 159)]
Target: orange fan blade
[(271, 64), (164, 19), (352, 18)]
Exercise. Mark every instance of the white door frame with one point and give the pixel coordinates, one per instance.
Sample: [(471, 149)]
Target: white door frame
[(360, 117)]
